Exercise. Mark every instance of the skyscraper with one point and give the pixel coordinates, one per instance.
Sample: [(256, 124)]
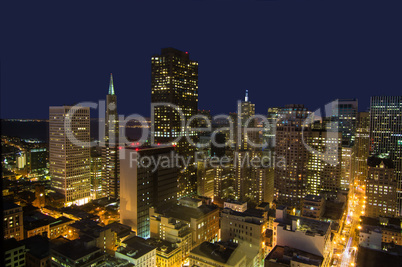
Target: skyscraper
[(386, 133), (346, 116), (245, 110), (69, 153), (324, 168), (291, 179), (145, 184), (174, 81), (361, 147), (381, 187), (110, 153)]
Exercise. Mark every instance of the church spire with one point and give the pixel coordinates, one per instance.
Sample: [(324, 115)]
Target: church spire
[(111, 87)]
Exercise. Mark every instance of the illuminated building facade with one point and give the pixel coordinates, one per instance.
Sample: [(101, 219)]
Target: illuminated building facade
[(381, 188), (96, 174), (174, 81), (361, 147), (145, 184), (386, 133), (110, 153), (70, 161), (324, 165), (13, 221), (291, 178), (346, 115)]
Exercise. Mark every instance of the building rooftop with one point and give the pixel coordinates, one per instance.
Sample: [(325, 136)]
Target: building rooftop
[(309, 226), (88, 227), (8, 205), (73, 249), (232, 201), (372, 258), (135, 247), (121, 230), (186, 213), (375, 161), (255, 216), (162, 245), (284, 255), (313, 198), (38, 246), (60, 220), (12, 243), (215, 251), (388, 223)]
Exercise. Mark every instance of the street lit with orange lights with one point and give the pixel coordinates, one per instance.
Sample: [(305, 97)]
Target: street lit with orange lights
[(346, 244)]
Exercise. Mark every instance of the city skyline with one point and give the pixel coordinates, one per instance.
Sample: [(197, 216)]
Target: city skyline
[(243, 133)]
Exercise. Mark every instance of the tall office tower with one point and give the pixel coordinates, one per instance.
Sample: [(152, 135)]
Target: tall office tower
[(38, 160), (291, 176), (205, 179), (110, 153), (361, 147), (175, 81), (324, 165), (144, 183), (245, 110), (346, 167), (381, 188), (345, 114), (386, 133), (269, 132), (69, 153), (96, 174), (244, 152)]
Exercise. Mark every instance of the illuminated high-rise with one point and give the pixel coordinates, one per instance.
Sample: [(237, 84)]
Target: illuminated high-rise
[(110, 155), (381, 187), (345, 114), (291, 176), (361, 147), (324, 165), (174, 83), (69, 153), (386, 133)]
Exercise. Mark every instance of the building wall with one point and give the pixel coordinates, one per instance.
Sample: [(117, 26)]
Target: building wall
[(381, 192), (13, 223), (15, 257), (69, 162)]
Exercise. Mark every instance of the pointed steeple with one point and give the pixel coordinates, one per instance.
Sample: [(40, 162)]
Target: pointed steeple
[(246, 98), (111, 87)]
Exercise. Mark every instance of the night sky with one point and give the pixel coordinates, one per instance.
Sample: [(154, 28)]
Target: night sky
[(307, 52)]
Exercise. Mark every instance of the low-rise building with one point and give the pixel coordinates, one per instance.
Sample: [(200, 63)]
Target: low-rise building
[(13, 220), (14, 253), (172, 230), (168, 254), (249, 228), (59, 227), (101, 237), (218, 255), (305, 234), (313, 207), (37, 251), (137, 252), (203, 220), (282, 256), (79, 252), (235, 205), (375, 232)]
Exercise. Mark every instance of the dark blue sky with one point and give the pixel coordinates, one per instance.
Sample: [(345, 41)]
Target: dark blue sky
[(308, 52)]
